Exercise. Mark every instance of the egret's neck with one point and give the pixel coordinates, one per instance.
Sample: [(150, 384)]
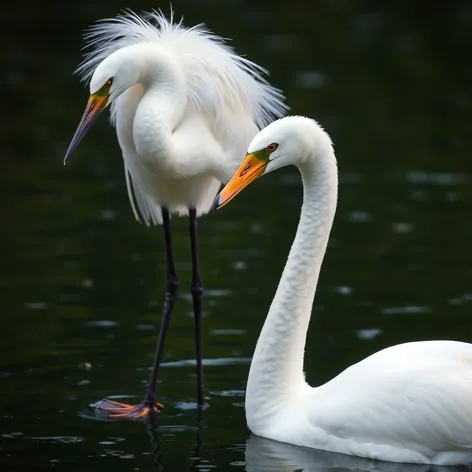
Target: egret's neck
[(276, 372), (163, 104)]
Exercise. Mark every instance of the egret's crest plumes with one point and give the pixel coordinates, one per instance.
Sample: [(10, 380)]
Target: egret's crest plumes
[(216, 76)]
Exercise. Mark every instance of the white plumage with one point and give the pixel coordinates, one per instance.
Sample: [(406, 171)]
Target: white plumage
[(185, 107), (408, 403)]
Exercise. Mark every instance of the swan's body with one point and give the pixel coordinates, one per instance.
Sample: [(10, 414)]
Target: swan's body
[(408, 403), (185, 108)]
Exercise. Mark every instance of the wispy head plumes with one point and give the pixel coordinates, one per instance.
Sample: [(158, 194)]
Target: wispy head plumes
[(216, 76)]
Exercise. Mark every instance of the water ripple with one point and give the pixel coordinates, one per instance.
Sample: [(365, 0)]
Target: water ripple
[(209, 362), (102, 323), (406, 310), (227, 332), (58, 439), (437, 178), (368, 333)]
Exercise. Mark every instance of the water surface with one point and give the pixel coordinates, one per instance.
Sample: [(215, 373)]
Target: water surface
[(82, 283)]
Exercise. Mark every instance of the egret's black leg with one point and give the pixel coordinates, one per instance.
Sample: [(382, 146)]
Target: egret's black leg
[(149, 406), (171, 292), (197, 295)]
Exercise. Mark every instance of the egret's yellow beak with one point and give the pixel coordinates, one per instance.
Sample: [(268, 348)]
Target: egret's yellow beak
[(94, 106), (251, 168)]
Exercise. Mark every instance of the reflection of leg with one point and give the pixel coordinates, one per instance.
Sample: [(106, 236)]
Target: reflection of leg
[(154, 438), (197, 454)]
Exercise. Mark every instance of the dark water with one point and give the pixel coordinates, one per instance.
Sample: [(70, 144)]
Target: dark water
[(82, 283)]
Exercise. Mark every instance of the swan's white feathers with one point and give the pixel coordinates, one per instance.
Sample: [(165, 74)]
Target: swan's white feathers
[(216, 77), (409, 394), (408, 403)]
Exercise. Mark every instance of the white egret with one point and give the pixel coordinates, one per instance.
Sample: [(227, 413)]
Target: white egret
[(407, 403), (185, 108)]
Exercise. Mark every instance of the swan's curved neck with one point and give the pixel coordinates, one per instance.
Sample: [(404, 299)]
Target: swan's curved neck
[(162, 104), (276, 371)]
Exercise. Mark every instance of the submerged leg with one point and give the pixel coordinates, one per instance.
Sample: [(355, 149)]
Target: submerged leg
[(197, 295), (149, 405)]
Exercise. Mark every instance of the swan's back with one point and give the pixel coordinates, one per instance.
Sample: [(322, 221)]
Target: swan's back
[(412, 399)]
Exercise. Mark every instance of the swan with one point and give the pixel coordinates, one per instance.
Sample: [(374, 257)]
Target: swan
[(409, 403)]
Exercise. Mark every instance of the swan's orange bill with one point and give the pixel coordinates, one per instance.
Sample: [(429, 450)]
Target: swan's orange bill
[(95, 105), (251, 168)]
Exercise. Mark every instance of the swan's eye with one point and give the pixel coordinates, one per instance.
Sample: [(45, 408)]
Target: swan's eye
[(272, 147), (109, 82)]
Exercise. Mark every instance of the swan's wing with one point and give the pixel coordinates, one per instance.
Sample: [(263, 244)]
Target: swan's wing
[(415, 393)]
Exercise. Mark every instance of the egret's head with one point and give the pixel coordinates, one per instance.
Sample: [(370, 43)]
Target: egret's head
[(284, 142), (111, 78)]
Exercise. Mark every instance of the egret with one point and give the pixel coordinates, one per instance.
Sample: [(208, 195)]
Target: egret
[(410, 402), (185, 107)]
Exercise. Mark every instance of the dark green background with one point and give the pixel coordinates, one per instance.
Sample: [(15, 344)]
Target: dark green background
[(82, 282)]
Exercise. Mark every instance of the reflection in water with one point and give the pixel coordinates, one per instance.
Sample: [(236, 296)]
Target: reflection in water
[(195, 457), (264, 455), (82, 283), (156, 449)]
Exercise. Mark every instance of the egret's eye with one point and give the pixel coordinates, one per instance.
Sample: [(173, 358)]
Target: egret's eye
[(272, 147), (108, 83)]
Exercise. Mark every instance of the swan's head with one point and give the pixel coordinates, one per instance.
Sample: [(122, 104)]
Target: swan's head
[(289, 141), (115, 74)]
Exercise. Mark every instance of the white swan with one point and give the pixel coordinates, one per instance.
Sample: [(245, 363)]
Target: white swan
[(408, 403)]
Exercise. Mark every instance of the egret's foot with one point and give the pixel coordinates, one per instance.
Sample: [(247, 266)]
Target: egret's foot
[(118, 410)]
